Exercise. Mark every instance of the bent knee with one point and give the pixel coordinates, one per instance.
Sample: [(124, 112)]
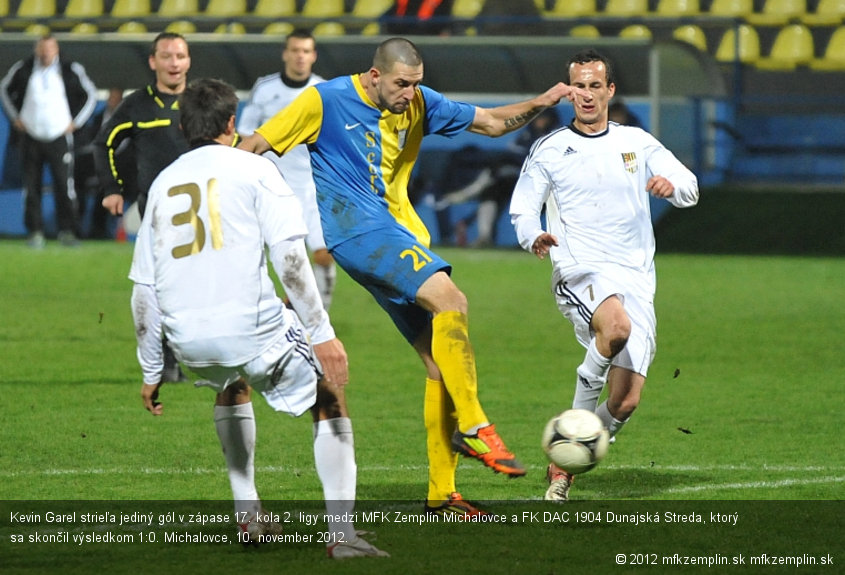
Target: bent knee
[(329, 404), (439, 294), (452, 300)]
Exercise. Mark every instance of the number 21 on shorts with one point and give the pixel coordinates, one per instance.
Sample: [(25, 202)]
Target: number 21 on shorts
[(418, 257)]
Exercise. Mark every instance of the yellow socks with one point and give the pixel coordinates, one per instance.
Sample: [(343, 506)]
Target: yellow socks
[(452, 352), (440, 424)]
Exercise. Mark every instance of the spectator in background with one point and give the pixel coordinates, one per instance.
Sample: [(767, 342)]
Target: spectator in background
[(509, 18), (85, 174), (620, 113), (494, 177), (407, 17), (46, 101)]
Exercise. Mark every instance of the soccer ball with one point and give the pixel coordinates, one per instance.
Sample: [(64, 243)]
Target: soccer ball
[(575, 440)]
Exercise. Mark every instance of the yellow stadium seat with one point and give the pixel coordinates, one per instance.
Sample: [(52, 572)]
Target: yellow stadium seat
[(84, 28), (691, 34), (827, 13), (626, 8), (274, 8), (834, 54), (231, 28), (741, 43), (371, 29), (36, 9), (225, 8), (84, 9), (323, 8), (183, 27), (329, 29), (278, 28), (731, 8), (37, 30), (793, 47), (178, 8), (572, 9), (132, 27), (4, 8), (778, 12), (467, 8), (585, 31), (130, 9), (677, 8), (370, 8), (636, 31)]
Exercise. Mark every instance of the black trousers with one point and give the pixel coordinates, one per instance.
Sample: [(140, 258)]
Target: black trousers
[(58, 155)]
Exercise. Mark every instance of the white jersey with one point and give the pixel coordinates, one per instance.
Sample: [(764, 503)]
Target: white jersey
[(202, 246), (594, 191), (269, 95)]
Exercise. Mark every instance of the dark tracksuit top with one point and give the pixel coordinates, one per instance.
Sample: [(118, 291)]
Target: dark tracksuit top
[(150, 119)]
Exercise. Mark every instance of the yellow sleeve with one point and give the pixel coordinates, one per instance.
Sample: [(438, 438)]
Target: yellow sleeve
[(297, 123)]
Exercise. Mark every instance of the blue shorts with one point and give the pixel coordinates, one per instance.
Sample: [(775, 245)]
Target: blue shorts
[(392, 265)]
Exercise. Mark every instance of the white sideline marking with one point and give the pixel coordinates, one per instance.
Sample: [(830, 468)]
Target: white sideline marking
[(754, 484)]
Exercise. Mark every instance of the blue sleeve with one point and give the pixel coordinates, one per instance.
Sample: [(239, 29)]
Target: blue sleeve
[(443, 116)]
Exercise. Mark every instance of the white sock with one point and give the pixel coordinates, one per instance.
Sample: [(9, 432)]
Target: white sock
[(236, 430), (612, 424), (326, 277), (592, 375), (334, 456), (486, 218)]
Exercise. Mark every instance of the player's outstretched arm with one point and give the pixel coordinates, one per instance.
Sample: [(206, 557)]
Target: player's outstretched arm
[(498, 121), (254, 143)]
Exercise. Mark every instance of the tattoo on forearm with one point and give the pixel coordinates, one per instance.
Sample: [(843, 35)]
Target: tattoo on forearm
[(517, 121)]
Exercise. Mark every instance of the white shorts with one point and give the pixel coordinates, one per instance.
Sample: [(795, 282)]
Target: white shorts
[(286, 373), (580, 290)]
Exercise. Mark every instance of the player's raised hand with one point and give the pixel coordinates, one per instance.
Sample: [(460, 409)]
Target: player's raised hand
[(149, 395), (332, 356), (561, 91), (543, 244)]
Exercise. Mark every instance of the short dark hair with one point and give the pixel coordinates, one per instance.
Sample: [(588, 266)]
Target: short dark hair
[(300, 33), (590, 55), (206, 106), (165, 36), (395, 50)]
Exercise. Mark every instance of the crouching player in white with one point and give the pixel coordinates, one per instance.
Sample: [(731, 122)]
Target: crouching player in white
[(594, 178), (201, 276)]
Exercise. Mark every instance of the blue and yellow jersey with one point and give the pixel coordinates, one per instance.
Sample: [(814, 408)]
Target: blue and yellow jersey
[(362, 156)]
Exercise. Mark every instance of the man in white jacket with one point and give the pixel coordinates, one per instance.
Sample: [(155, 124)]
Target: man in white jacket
[(201, 276), (594, 178)]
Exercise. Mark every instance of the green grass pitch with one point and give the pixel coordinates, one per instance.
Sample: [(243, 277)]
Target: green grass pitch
[(741, 413)]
